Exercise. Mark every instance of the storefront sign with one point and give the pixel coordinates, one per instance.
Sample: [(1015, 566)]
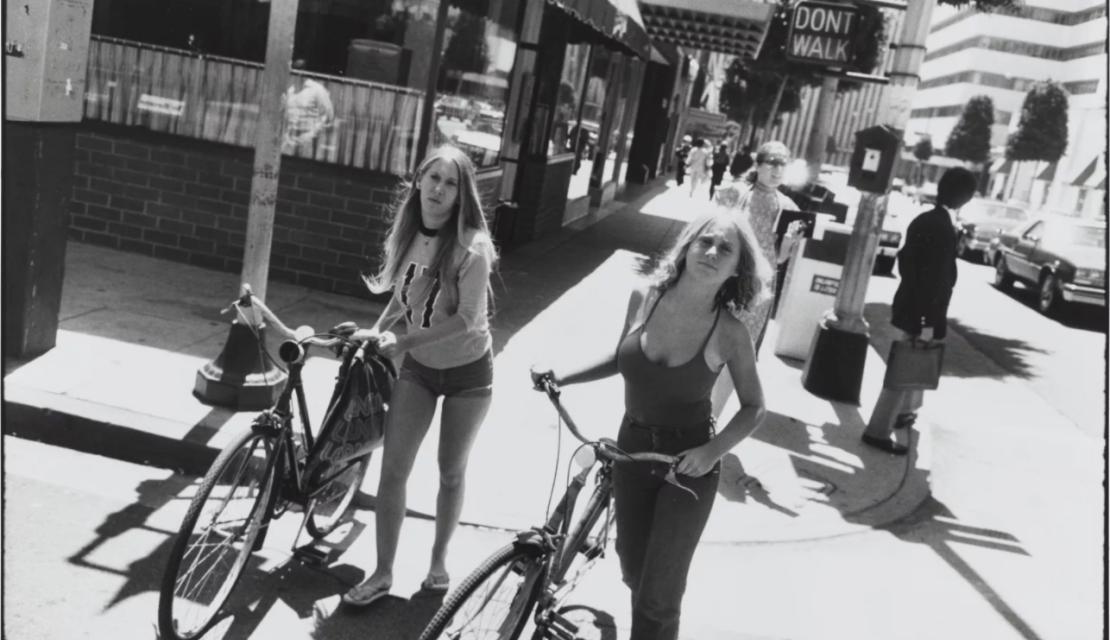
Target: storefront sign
[(824, 284), (159, 104), (822, 32)]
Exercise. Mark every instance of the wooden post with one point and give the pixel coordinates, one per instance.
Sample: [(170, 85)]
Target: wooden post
[(267, 148)]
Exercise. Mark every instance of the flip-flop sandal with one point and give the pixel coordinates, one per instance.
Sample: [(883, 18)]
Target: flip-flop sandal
[(885, 444), (362, 595), (436, 584)]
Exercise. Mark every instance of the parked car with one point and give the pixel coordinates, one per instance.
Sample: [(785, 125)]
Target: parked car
[(1064, 258), (981, 221), (900, 211)]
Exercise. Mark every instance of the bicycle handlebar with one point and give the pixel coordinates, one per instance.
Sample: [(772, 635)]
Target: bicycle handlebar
[(303, 335), (605, 447)]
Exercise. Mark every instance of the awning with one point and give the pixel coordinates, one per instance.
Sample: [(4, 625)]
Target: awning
[(1049, 172), (1085, 175), (1004, 167), (736, 27), (617, 20)]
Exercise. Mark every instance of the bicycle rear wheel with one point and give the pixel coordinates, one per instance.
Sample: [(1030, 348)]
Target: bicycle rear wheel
[(332, 501), (494, 601), (216, 537)]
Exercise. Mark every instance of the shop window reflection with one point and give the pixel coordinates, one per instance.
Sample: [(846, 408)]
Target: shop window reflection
[(472, 89)]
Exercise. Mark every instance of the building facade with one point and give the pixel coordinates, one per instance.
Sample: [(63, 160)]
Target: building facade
[(1002, 56), (539, 93)]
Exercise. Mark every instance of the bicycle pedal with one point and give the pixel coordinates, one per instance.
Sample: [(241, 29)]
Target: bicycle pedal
[(560, 628), (311, 554)]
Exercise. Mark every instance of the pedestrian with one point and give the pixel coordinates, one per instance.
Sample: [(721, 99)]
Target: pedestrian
[(697, 163), (680, 155), (720, 165), (308, 112), (927, 268), (757, 197), (677, 337), (437, 258), (741, 162)]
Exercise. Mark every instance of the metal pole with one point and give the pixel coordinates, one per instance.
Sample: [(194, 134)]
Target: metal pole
[(267, 149), (822, 121), (895, 108)]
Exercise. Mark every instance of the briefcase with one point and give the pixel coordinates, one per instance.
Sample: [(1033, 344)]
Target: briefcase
[(913, 365)]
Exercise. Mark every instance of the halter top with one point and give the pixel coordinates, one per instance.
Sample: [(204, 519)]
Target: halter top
[(662, 396)]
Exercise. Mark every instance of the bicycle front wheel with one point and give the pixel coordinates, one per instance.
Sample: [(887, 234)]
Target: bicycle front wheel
[(216, 537), (494, 601), (332, 501)]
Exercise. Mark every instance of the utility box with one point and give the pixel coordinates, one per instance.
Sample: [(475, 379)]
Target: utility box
[(46, 51), (810, 289), (872, 165)]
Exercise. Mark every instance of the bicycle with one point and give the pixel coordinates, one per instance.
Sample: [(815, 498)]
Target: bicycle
[(542, 565), (260, 474)]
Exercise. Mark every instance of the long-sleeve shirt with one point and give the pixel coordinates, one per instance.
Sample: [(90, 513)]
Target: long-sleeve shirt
[(427, 302)]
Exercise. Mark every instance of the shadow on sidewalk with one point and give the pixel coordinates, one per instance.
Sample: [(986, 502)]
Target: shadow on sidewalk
[(530, 280), (1006, 356), (934, 525)]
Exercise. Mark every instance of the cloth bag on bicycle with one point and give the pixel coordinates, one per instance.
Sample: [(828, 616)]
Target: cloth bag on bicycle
[(354, 424)]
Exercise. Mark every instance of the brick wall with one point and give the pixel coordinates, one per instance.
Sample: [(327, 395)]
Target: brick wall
[(186, 200)]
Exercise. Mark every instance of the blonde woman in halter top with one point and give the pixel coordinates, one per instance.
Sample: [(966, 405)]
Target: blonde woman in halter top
[(678, 336)]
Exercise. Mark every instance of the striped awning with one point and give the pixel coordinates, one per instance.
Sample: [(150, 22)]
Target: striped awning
[(1049, 172), (736, 27), (617, 20), (1085, 175)]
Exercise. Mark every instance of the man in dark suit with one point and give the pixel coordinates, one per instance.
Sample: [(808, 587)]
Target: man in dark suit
[(680, 154), (927, 267)]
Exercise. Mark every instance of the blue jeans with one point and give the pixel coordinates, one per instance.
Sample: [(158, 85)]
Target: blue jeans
[(659, 525)]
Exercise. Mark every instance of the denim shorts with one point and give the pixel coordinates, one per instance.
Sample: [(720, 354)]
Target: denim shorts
[(471, 380)]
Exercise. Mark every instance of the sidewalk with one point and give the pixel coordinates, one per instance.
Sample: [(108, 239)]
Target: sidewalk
[(134, 331)]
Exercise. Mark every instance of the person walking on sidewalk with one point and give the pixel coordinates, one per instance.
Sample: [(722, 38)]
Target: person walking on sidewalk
[(720, 166), (927, 267), (437, 259), (757, 198), (680, 154), (741, 162), (677, 337), (697, 163)]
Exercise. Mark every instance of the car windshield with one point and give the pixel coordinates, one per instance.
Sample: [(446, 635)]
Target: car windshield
[(1076, 235)]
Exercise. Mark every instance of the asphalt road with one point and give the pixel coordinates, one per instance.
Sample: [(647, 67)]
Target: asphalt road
[(1062, 359)]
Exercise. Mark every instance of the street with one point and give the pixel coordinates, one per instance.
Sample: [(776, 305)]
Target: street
[(89, 534)]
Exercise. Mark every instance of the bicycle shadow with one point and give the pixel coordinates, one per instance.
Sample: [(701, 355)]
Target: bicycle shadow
[(390, 617)]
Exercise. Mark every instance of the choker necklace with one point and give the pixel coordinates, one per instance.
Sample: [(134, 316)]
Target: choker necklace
[(426, 231)]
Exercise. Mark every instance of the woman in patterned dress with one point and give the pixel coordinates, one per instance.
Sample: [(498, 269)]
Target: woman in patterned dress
[(757, 197)]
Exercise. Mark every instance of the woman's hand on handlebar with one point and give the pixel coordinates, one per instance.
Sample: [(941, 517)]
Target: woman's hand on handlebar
[(541, 374), (698, 461)]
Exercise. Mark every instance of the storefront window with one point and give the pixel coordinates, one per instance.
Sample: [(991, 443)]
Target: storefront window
[(567, 100), (588, 128), (473, 84), (194, 68), (622, 131)]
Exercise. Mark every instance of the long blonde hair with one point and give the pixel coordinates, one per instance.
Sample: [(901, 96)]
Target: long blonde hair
[(467, 215), (745, 288)]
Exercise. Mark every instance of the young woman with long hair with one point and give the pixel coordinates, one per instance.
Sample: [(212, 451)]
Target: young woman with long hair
[(677, 337), (437, 260)]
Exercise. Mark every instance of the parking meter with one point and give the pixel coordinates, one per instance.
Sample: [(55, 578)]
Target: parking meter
[(872, 165)]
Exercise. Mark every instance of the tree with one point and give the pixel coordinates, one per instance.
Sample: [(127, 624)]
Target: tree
[(970, 139), (1042, 131)]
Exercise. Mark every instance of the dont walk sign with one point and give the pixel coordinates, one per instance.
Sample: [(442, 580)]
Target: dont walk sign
[(822, 33)]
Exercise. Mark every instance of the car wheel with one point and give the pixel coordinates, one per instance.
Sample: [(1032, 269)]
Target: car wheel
[(1002, 278), (1048, 299)]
